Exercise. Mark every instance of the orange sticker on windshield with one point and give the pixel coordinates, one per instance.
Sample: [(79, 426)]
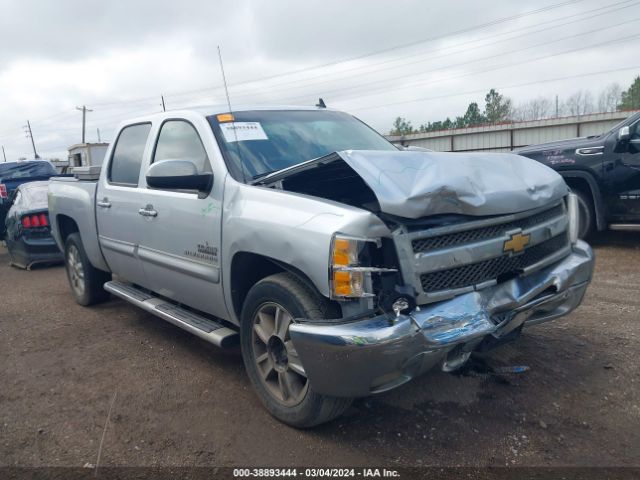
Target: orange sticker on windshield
[(225, 117)]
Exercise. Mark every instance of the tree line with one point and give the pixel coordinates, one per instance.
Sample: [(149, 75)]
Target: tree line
[(499, 109)]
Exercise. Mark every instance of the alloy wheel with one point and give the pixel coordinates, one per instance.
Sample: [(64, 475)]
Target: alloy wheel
[(279, 367), (76, 270)]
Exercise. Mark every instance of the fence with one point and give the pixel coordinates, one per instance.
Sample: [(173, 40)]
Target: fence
[(505, 137)]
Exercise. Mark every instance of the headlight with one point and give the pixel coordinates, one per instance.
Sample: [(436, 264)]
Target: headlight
[(574, 217), (349, 269)]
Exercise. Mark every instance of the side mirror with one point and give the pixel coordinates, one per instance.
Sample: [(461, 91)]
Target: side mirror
[(624, 134), (178, 175)]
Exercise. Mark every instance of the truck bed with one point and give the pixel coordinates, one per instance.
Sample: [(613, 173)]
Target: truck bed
[(72, 205)]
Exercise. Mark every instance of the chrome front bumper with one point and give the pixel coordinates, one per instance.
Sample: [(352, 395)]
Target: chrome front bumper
[(376, 354)]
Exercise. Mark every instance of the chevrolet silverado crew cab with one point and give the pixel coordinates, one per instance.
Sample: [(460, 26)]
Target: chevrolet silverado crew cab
[(343, 266), (604, 173)]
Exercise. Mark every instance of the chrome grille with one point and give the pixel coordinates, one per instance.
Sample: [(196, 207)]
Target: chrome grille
[(450, 260), (495, 268), (421, 245)]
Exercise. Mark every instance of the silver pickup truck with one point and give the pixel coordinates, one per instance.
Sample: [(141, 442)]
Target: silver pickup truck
[(342, 265)]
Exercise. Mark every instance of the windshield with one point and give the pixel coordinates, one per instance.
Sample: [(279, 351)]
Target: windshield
[(26, 170), (260, 142), (624, 122)]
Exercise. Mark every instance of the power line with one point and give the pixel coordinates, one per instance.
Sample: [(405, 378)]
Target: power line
[(360, 69), (263, 90), (475, 72), (503, 87), (469, 92), (359, 57)]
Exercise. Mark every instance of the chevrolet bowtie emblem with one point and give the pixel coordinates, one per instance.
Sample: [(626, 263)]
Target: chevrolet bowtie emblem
[(517, 243)]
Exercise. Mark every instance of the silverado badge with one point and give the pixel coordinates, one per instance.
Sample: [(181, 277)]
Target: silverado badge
[(517, 243)]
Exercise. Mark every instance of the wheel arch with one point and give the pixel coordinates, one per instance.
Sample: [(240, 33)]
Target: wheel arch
[(66, 226), (586, 182), (249, 268)]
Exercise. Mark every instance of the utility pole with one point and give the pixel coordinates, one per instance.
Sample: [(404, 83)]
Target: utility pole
[(4, 154), (27, 129), (557, 109), (164, 109), (84, 111), (98, 135)]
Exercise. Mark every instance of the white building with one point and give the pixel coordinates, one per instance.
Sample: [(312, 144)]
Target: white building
[(87, 154)]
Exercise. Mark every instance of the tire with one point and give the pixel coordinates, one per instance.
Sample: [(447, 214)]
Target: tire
[(85, 280), (272, 364), (586, 214)]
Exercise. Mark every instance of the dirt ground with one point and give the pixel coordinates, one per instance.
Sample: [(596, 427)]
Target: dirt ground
[(177, 401)]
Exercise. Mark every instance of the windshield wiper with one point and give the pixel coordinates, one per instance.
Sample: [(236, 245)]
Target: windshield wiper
[(294, 168), (264, 174)]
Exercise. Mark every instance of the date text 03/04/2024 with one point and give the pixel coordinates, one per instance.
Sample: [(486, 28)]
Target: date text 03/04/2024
[(315, 472)]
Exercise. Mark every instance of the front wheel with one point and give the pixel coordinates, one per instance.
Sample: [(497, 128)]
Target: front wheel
[(270, 358), (85, 280), (586, 215)]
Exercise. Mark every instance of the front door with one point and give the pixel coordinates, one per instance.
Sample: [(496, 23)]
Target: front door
[(117, 203), (182, 233), (622, 177)]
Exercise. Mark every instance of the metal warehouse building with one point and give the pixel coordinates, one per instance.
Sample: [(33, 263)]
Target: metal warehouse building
[(507, 136)]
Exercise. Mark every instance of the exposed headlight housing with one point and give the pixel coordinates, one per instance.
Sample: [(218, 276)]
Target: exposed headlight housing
[(574, 217), (350, 274)]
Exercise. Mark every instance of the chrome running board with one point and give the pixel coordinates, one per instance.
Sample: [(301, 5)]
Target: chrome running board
[(204, 327), (625, 227)]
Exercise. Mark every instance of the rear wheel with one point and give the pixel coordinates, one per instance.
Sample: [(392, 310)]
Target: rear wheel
[(85, 280), (272, 363)]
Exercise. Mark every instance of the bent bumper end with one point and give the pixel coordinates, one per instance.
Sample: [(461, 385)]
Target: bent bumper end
[(380, 353)]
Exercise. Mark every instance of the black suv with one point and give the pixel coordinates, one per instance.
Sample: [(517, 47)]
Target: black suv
[(603, 170)]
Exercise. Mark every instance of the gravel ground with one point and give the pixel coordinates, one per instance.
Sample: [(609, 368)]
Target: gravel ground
[(177, 401)]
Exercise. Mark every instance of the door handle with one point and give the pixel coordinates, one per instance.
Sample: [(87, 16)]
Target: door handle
[(148, 211), (104, 203)]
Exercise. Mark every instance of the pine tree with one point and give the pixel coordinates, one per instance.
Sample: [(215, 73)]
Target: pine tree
[(630, 99)]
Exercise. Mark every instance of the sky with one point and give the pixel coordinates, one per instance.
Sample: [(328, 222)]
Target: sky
[(378, 60)]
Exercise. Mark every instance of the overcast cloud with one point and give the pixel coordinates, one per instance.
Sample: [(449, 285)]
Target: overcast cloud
[(118, 57)]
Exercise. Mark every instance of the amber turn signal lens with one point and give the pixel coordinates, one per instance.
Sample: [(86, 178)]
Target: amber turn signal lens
[(342, 283), (348, 284), (344, 252)]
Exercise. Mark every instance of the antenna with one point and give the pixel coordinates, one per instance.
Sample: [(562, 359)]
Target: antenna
[(321, 104), (235, 133)]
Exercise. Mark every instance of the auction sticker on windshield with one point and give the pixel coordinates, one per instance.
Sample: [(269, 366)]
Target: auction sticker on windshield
[(241, 131)]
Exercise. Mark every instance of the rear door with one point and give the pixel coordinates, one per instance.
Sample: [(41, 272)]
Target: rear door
[(117, 203), (182, 234)]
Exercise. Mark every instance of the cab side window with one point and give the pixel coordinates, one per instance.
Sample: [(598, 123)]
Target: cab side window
[(127, 155), (179, 140)]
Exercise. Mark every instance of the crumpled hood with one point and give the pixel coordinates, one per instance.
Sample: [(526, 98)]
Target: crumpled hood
[(418, 184)]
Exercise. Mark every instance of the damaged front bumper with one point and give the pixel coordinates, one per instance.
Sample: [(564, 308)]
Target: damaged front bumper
[(376, 354)]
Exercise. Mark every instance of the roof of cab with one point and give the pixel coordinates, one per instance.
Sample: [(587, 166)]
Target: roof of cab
[(208, 110)]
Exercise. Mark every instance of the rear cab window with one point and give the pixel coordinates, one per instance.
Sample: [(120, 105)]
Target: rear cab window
[(128, 153)]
